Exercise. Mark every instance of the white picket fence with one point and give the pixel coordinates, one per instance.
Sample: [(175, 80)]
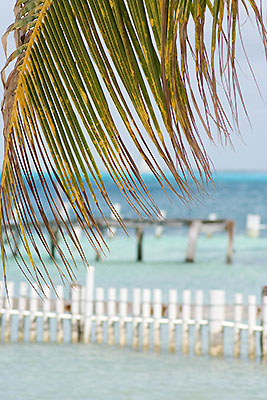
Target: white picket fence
[(135, 318)]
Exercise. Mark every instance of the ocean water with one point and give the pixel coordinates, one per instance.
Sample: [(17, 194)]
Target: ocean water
[(50, 371), (85, 372)]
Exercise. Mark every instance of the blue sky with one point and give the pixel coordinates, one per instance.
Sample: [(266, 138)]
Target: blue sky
[(249, 151)]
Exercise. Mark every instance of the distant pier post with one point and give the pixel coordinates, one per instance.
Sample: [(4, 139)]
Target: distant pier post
[(230, 227), (54, 239), (139, 237), (159, 228), (194, 230), (253, 225)]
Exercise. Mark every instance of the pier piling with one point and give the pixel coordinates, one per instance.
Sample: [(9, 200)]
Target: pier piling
[(194, 230), (139, 237)]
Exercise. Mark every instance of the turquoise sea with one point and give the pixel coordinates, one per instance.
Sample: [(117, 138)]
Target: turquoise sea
[(99, 372)]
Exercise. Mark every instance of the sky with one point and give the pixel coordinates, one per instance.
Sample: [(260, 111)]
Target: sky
[(249, 150)]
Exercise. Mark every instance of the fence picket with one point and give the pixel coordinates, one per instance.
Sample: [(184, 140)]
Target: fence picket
[(186, 310), (75, 310), (46, 310), (136, 315), (123, 310), (90, 277), (99, 314), (172, 315), (198, 319), (82, 312), (264, 327), (59, 312), (252, 318), (33, 311), (2, 306), (157, 314), (238, 317), (146, 311), (111, 315), (217, 310), (22, 306), (9, 306)]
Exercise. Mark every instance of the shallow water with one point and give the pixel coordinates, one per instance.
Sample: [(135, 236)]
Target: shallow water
[(99, 372), (41, 371), (164, 265), (83, 372)]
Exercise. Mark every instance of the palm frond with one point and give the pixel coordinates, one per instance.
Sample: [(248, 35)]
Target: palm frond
[(83, 69)]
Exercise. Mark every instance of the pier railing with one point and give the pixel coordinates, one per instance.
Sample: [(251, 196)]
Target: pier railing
[(137, 318)]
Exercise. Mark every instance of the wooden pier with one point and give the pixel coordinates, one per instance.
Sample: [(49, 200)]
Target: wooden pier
[(195, 227), (137, 318)]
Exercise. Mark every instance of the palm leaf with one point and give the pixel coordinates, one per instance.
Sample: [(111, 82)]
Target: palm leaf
[(84, 69)]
